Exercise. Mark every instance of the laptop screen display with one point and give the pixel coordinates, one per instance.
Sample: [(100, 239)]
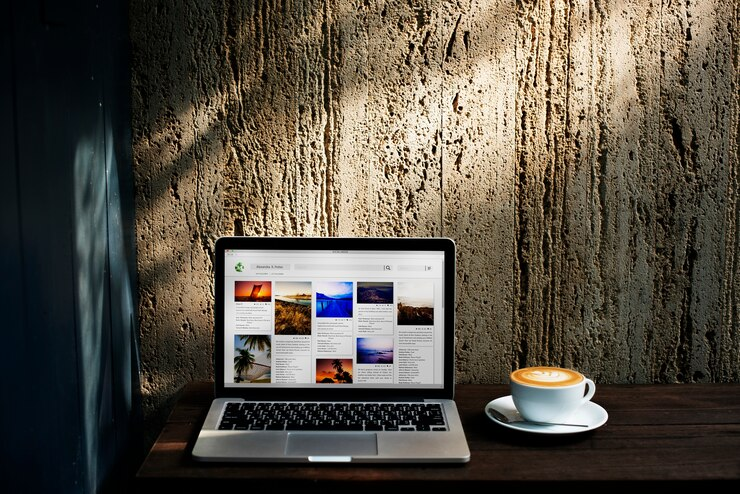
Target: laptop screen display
[(336, 313)]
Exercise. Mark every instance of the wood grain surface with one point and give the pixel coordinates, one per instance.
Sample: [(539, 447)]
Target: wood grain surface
[(654, 433)]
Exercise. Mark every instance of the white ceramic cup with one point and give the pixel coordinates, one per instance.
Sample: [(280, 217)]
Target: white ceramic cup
[(549, 394)]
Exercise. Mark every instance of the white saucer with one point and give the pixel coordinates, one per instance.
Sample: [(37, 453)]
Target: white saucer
[(590, 414)]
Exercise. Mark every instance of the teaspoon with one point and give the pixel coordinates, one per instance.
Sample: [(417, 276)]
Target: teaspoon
[(506, 420)]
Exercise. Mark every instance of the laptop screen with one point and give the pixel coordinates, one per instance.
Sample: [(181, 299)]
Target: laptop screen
[(334, 316)]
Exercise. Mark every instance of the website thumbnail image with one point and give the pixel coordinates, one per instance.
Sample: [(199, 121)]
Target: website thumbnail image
[(332, 332)]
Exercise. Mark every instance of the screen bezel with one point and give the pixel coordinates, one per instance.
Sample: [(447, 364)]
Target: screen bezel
[(437, 244)]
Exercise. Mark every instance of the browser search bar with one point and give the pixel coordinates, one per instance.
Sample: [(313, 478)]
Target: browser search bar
[(342, 267), (415, 267)]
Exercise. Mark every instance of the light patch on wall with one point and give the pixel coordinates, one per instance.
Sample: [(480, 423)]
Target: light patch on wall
[(90, 243)]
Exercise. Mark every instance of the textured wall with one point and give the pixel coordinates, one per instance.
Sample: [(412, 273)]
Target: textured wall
[(583, 154)]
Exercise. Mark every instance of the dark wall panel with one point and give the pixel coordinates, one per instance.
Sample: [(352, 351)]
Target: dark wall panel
[(70, 288), (48, 424)]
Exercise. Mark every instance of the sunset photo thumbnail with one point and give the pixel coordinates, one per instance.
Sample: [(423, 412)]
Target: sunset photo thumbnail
[(252, 291)]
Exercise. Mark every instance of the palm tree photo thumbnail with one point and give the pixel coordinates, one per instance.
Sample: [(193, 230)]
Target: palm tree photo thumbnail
[(252, 358), (334, 370)]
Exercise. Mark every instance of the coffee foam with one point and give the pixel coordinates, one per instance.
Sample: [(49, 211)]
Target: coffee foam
[(546, 376)]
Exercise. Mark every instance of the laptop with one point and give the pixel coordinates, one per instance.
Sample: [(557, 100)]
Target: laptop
[(334, 350)]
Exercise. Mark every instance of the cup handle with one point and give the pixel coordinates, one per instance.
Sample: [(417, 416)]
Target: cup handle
[(591, 389)]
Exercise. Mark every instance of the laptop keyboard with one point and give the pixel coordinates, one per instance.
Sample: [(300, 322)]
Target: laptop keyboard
[(283, 416)]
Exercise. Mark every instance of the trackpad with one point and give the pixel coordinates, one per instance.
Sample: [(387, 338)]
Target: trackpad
[(323, 444)]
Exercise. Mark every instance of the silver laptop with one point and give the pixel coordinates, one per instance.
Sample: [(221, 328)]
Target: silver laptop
[(334, 350)]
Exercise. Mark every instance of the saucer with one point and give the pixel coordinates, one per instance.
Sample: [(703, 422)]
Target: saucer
[(590, 414)]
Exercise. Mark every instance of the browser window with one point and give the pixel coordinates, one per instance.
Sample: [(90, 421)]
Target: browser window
[(323, 318)]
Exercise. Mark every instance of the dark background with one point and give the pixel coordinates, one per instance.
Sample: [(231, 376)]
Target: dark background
[(70, 362)]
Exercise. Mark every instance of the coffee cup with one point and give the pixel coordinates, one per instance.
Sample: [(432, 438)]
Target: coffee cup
[(549, 394)]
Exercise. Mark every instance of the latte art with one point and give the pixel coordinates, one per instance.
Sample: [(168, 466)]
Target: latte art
[(546, 376)]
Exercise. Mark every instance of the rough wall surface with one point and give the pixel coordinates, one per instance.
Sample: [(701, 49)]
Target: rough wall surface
[(583, 154)]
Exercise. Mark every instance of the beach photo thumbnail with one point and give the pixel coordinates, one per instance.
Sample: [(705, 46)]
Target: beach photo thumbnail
[(334, 370), (252, 291), (375, 350), (252, 358)]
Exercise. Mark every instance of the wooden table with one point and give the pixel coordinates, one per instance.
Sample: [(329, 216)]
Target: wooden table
[(666, 432)]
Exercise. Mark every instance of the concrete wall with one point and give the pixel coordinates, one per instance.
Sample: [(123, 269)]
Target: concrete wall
[(583, 154)]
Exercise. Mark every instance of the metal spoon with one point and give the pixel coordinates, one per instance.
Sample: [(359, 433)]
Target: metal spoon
[(506, 420)]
